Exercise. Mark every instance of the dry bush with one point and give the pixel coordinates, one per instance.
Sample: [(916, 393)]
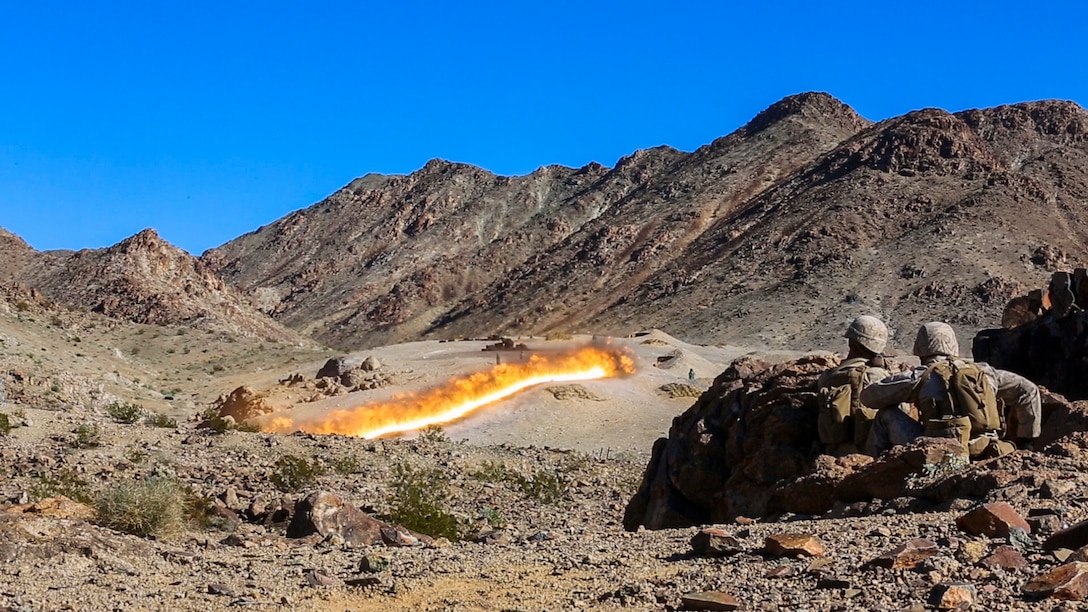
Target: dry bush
[(155, 506)]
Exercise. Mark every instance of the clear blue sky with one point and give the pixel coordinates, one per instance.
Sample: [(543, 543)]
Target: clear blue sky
[(205, 120)]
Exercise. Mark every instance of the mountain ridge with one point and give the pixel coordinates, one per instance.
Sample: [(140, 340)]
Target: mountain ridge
[(773, 235)]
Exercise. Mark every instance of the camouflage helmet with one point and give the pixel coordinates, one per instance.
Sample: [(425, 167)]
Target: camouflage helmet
[(936, 338), (869, 332)]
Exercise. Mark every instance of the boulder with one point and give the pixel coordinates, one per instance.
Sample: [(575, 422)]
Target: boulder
[(338, 366), (892, 474), (754, 429), (241, 404), (326, 514)]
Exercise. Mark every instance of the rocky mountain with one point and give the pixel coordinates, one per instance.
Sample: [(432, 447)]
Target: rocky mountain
[(774, 235), (143, 279)]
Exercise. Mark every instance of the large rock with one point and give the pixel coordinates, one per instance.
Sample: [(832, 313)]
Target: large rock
[(241, 404), (324, 513), (1069, 581), (1050, 349), (994, 520), (753, 430), (338, 366), (893, 474)]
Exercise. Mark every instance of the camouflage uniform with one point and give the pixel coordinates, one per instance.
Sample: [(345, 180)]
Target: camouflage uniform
[(937, 342)]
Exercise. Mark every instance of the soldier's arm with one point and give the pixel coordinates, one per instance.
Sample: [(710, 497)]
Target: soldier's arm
[(888, 392), (1021, 395)]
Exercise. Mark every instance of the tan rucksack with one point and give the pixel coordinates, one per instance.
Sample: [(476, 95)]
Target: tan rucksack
[(838, 401), (968, 394)]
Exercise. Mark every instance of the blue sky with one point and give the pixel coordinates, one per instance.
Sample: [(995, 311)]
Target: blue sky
[(205, 120)]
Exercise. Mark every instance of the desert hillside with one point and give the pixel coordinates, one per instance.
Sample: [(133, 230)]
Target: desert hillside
[(772, 236)]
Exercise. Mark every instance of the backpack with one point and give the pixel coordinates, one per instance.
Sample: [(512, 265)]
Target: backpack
[(967, 393), (838, 401)]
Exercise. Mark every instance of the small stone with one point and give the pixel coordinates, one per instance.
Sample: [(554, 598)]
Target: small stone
[(908, 555), (217, 588), (372, 564), (1056, 489), (714, 542), (1019, 539), (1069, 582), (782, 571), (316, 578), (832, 582), (1045, 524), (953, 595), (1063, 555), (397, 536), (744, 520), (1006, 557), (709, 600), (363, 582), (794, 545), (993, 520), (820, 566)]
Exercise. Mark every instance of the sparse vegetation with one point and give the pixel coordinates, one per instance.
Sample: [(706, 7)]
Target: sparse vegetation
[(125, 412), (344, 464), (5, 424), (419, 502), (155, 506), (86, 436), (295, 473), (161, 420), (432, 434), (494, 472), (63, 482), (544, 486)]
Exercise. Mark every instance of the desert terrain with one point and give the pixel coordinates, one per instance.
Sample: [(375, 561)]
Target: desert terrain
[(141, 387)]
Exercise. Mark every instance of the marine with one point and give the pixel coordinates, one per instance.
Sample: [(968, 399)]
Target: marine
[(843, 421), (955, 397)]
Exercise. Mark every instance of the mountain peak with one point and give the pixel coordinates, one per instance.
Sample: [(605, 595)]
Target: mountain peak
[(812, 105)]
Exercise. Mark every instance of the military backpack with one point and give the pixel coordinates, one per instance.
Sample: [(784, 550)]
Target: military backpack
[(839, 407), (967, 394)]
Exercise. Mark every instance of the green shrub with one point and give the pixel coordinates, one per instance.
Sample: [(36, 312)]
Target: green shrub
[(125, 412), (295, 473), (155, 506), (161, 420), (64, 482), (419, 502), (87, 436), (5, 424)]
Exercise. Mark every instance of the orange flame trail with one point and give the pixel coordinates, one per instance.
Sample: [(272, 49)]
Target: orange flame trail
[(461, 396)]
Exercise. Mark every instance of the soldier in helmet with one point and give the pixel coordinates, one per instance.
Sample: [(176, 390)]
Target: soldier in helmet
[(842, 421), (955, 397)]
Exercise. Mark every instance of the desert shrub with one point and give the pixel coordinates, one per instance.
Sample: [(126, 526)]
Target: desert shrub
[(493, 517), (161, 420), (295, 473), (433, 433), (63, 482), (125, 412), (86, 436), (5, 424), (543, 486), (419, 497), (494, 472), (155, 506)]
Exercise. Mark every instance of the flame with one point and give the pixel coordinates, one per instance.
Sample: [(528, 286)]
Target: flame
[(461, 396)]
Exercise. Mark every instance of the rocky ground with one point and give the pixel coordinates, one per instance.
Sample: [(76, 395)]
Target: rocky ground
[(541, 529), (528, 527)]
